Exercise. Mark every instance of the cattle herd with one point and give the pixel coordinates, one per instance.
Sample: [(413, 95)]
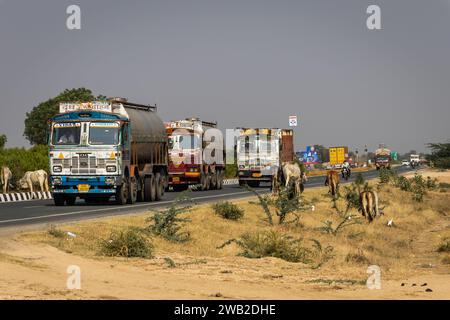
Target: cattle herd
[(27, 182), (289, 175)]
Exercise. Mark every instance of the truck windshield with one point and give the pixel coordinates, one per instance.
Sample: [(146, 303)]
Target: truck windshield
[(104, 133), (66, 133), (188, 141)]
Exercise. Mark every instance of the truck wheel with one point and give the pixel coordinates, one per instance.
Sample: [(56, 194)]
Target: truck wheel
[(208, 181), (148, 186), (122, 193), (158, 186), (59, 200), (141, 193), (214, 179), (203, 182), (220, 180), (132, 194)]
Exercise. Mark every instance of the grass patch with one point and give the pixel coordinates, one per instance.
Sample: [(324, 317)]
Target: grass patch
[(128, 243)]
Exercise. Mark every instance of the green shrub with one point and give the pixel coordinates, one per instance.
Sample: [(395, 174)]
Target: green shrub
[(270, 244), (228, 210), (418, 188), (166, 223), (282, 204), (444, 246), (128, 243), (386, 175), (55, 232), (282, 246), (403, 183)]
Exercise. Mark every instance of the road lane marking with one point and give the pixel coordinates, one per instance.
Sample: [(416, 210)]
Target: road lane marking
[(116, 208)]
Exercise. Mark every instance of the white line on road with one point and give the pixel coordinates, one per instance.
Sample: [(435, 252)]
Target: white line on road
[(122, 207)]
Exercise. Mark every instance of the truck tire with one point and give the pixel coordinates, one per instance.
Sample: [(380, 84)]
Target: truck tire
[(140, 193), (59, 200), (220, 180), (208, 181), (122, 193), (214, 179), (132, 194), (149, 185), (158, 186)]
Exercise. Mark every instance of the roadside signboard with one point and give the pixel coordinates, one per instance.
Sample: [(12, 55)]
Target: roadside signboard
[(292, 121)]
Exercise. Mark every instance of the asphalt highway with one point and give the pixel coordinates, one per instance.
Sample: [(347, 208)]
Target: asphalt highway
[(26, 213)]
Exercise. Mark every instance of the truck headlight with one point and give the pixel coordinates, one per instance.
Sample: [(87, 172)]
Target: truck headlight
[(57, 180), (110, 181), (57, 168), (111, 168)]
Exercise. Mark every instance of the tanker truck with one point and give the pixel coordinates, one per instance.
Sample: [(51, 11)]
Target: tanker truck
[(260, 153), (188, 161), (382, 157), (107, 149)]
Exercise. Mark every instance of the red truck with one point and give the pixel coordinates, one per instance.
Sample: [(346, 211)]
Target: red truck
[(188, 160)]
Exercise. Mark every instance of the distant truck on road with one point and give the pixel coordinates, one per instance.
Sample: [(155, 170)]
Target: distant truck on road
[(260, 153), (188, 156), (383, 158), (105, 149), (338, 155), (414, 159)]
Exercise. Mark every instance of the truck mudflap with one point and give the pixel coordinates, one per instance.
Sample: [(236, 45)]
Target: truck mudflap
[(84, 185)]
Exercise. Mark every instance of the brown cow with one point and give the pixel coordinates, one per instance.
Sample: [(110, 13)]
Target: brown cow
[(368, 204), (332, 181)]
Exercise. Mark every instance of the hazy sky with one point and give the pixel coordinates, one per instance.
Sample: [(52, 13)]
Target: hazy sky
[(242, 63)]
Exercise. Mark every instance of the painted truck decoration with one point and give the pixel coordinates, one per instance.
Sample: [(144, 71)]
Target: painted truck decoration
[(190, 160), (383, 157), (107, 149), (260, 153)]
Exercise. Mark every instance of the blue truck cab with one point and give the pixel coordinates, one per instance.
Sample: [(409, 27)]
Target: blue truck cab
[(93, 153)]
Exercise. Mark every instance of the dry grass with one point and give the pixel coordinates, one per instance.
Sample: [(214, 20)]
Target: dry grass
[(417, 230)]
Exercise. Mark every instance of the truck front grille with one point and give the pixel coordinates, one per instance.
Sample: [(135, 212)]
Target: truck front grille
[(88, 165)]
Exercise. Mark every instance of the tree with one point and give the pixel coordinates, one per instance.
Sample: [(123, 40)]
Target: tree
[(3, 140), (36, 120), (440, 154)]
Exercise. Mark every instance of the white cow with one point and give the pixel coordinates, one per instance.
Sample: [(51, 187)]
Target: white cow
[(6, 176), (292, 172), (31, 178)]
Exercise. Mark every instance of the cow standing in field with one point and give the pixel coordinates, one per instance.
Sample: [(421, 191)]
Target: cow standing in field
[(290, 173), (368, 203), (6, 176), (332, 181), (32, 178)]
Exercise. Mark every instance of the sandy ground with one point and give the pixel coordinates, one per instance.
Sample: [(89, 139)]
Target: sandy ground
[(39, 271), (34, 270)]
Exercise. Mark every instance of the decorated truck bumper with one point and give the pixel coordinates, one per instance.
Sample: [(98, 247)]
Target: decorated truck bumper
[(79, 186), (264, 175)]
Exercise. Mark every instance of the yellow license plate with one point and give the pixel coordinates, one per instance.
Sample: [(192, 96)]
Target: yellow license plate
[(257, 175), (83, 188), (176, 179)]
